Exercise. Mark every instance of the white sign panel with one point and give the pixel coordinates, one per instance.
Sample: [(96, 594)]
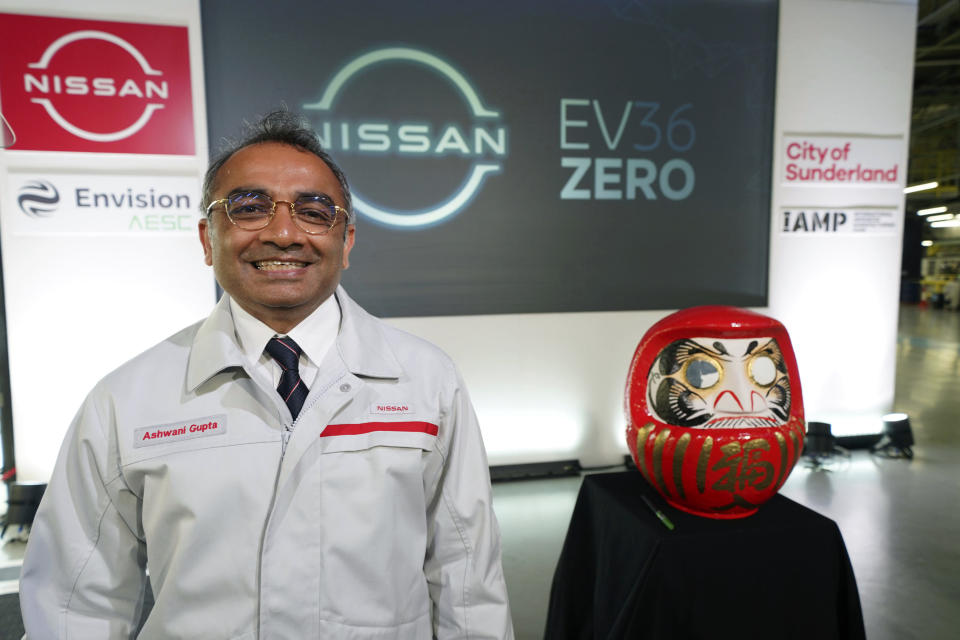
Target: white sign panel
[(837, 160), (821, 221), (98, 204)]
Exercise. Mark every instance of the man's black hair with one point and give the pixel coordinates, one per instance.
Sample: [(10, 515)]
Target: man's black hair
[(283, 127)]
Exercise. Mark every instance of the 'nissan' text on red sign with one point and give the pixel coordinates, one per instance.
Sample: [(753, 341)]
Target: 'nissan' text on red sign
[(96, 86)]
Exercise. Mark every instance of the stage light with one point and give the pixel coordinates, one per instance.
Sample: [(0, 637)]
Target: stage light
[(820, 446), (819, 439), (514, 436), (921, 187), (23, 498), (897, 440)]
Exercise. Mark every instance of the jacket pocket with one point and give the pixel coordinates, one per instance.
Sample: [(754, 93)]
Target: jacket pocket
[(357, 436), (418, 629), (370, 505)]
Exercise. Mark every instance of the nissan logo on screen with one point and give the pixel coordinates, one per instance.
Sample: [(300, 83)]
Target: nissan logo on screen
[(483, 143)]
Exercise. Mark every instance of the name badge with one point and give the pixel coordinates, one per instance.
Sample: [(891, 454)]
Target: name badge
[(176, 431)]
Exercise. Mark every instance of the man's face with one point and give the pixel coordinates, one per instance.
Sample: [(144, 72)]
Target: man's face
[(280, 273)]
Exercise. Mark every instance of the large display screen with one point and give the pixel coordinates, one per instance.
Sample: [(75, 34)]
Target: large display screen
[(524, 157)]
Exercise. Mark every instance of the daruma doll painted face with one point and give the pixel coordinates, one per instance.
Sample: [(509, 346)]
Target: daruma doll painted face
[(714, 410)]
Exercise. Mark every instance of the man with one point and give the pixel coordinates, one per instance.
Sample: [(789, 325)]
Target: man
[(340, 492)]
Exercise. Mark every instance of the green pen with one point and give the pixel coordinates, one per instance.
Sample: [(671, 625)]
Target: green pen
[(660, 514)]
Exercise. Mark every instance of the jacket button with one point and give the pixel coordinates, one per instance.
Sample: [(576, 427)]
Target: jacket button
[(344, 387)]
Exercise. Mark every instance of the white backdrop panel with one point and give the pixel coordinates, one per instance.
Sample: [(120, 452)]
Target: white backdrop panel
[(78, 304)]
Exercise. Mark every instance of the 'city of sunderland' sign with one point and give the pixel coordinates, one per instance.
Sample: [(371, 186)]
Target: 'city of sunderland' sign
[(832, 160)]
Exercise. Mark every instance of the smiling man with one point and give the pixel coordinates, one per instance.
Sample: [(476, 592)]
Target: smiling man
[(282, 272), (291, 467)]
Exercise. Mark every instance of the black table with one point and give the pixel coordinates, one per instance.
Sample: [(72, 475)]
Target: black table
[(780, 573)]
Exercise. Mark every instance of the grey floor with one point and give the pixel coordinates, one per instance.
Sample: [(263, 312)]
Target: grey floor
[(900, 519)]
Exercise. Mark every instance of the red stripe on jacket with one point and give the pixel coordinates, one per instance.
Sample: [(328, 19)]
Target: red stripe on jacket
[(370, 427)]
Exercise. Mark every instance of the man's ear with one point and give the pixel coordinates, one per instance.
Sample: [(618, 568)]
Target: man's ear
[(348, 245), (203, 227)]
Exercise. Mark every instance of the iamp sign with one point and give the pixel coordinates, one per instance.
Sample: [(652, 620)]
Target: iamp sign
[(85, 85)]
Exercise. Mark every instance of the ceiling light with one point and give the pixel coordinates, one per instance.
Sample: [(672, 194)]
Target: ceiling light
[(946, 223), (926, 212), (942, 216), (926, 243), (921, 187)]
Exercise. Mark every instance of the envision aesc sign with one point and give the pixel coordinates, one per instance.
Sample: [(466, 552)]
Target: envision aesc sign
[(63, 204)]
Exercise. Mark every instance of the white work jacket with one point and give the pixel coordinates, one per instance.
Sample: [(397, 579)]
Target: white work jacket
[(368, 517)]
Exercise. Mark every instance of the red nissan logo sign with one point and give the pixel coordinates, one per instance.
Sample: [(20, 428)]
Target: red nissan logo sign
[(90, 85)]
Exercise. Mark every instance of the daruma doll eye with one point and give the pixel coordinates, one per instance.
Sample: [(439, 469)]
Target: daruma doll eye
[(763, 371), (702, 373)]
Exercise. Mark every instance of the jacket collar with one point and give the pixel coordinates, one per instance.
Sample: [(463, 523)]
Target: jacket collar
[(215, 346), (360, 343)]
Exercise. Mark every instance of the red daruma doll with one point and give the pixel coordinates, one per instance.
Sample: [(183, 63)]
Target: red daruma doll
[(714, 410)]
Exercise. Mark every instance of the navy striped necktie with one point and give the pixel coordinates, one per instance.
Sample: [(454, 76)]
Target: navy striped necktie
[(291, 388)]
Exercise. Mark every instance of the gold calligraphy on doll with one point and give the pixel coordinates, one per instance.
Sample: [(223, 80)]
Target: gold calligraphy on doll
[(742, 467)]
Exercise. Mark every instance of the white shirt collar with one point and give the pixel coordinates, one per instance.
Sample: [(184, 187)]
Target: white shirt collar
[(315, 334)]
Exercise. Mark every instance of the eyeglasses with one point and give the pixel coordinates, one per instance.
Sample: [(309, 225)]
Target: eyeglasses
[(251, 211)]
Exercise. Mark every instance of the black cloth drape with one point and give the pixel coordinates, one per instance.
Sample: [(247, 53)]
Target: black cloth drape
[(783, 572)]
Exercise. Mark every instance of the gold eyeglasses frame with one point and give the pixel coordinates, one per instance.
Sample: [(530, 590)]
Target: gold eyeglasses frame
[(337, 209)]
